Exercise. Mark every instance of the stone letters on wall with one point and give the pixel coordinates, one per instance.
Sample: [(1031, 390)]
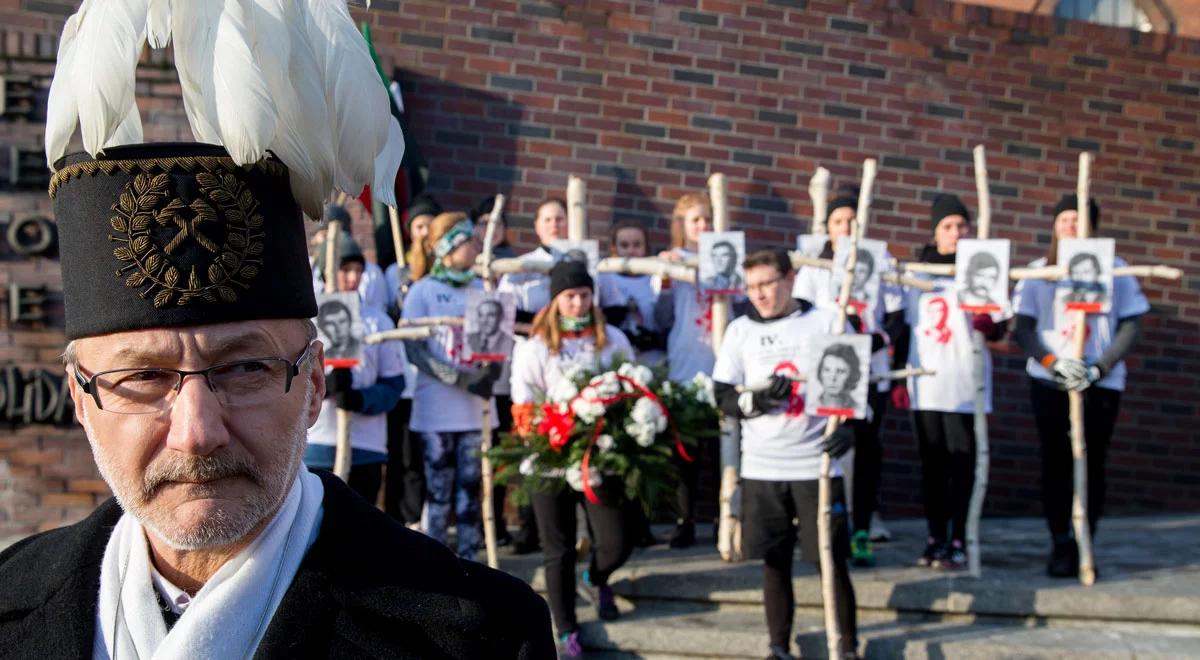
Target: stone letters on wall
[(34, 396)]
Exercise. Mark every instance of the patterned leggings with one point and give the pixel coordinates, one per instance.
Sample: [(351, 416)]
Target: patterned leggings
[(452, 476)]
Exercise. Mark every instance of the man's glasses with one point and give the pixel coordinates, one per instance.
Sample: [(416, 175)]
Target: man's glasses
[(240, 384), (762, 286)]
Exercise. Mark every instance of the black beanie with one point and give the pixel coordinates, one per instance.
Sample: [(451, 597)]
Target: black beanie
[(1070, 202), (569, 274), (422, 204), (945, 204), (839, 202), (347, 248)]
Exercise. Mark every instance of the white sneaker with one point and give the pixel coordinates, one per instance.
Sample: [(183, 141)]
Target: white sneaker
[(879, 532)]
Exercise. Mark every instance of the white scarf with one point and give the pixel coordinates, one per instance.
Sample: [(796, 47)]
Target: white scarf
[(229, 615)]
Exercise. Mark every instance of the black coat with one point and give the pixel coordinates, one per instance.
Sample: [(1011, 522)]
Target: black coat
[(368, 587)]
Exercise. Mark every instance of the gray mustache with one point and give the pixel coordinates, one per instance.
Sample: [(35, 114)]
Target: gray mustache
[(199, 468)]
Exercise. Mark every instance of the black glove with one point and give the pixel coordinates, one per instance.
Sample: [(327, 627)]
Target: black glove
[(480, 380), (339, 386), (840, 442), (779, 391), (644, 340)]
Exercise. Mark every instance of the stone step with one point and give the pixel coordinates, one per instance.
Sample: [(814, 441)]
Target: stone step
[(1150, 573), (691, 630)]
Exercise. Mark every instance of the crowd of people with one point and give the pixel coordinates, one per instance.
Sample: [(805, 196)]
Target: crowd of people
[(417, 405)]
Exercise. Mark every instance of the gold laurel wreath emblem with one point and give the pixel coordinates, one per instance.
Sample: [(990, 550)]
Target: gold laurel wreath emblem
[(234, 264)]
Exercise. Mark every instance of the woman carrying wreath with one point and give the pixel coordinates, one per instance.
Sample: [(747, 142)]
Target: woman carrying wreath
[(570, 332)]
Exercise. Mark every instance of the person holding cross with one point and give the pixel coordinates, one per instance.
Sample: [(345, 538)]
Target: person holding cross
[(1043, 333), (684, 312), (451, 391), (368, 390), (532, 290), (887, 328), (781, 444), (571, 331), (943, 404)]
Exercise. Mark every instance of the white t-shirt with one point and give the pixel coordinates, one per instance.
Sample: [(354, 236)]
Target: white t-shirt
[(438, 407), (689, 342), (535, 370), (941, 340), (382, 360), (816, 286), (531, 289), (638, 293), (1035, 298), (784, 445), (372, 290)]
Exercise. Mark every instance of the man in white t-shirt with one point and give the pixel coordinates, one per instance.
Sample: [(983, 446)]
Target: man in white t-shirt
[(781, 445)]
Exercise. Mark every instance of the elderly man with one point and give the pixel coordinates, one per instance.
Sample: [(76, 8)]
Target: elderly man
[(218, 542)]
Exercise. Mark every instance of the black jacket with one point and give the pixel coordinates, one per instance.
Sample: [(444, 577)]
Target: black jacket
[(368, 588)]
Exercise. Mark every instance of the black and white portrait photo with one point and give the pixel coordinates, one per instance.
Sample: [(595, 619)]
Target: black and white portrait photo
[(340, 328), (1088, 284), (981, 275), (488, 326), (721, 256), (838, 378), (864, 291)]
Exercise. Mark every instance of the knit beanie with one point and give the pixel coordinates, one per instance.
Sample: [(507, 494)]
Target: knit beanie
[(946, 204), (1070, 202), (568, 274)]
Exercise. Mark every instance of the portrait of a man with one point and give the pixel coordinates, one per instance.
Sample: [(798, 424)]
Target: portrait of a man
[(981, 275), (1087, 285), (337, 325), (720, 261), (1083, 271), (488, 341)]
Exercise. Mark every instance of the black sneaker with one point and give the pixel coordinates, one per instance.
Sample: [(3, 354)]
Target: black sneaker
[(935, 551), (780, 653), (1064, 560), (954, 558), (684, 535)]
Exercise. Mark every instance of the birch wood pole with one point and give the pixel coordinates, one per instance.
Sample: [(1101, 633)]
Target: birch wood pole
[(729, 543), (818, 190), (576, 208), (486, 497), (342, 450), (1058, 272), (1079, 510), (833, 631), (397, 236), (979, 354)]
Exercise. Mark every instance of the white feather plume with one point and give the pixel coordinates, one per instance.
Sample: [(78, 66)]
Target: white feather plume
[(293, 77), (387, 164), (245, 110), (302, 139), (357, 100), (62, 110), (194, 26), (158, 23), (109, 43)]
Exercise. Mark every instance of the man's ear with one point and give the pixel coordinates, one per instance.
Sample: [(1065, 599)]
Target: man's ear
[(76, 393), (316, 376)]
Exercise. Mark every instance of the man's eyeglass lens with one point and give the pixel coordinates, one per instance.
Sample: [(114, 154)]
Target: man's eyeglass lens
[(237, 384)]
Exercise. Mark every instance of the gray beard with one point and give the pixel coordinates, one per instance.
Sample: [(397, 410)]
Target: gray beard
[(224, 527)]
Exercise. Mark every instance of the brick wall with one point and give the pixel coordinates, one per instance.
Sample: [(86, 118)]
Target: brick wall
[(646, 99)]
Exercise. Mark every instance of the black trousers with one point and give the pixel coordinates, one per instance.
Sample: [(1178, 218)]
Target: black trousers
[(705, 460), (947, 446), (1051, 413), (612, 543), (404, 492), (772, 510), (868, 462), (527, 524)]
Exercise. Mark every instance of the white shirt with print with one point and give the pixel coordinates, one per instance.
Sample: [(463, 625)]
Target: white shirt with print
[(438, 407), (382, 360), (1036, 298), (535, 370), (785, 444)]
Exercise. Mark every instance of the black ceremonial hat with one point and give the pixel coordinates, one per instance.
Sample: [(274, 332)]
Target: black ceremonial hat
[(177, 234)]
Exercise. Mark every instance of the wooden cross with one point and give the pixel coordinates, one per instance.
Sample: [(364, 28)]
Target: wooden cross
[(342, 449)]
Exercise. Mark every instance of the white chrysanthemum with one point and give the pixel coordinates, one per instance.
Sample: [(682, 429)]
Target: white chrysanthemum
[(638, 373), (527, 465), (574, 477), (562, 391), (605, 386), (643, 434), (587, 411), (704, 389), (605, 442), (645, 422), (667, 388)]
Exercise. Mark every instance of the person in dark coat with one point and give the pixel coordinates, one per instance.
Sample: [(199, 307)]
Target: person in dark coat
[(367, 587)]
